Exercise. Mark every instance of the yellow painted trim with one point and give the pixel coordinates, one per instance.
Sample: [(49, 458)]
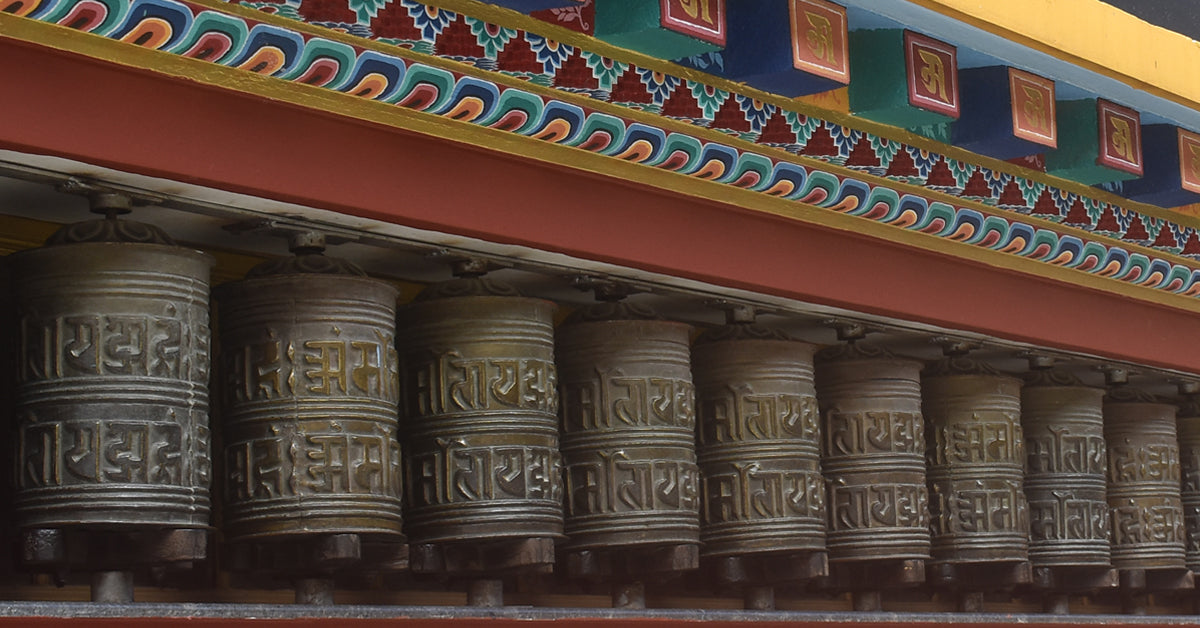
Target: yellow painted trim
[(326, 101)]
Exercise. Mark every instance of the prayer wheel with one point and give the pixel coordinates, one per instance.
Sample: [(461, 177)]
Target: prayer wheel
[(976, 456), (1189, 457), (112, 393), (1144, 495), (311, 385), (1066, 470), (628, 430), (480, 423), (874, 454), (759, 442)]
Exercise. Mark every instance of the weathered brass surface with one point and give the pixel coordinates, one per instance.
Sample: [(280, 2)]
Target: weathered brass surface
[(1065, 470), (874, 454), (628, 430), (310, 378), (759, 443), (112, 395), (976, 454), (480, 424), (1143, 481), (1189, 457)]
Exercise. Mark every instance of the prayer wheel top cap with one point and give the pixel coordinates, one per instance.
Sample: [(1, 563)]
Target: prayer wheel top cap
[(851, 351), (961, 365), (742, 331), (1129, 394), (612, 311), (308, 248), (306, 264), (1053, 378), (469, 281), (109, 229)]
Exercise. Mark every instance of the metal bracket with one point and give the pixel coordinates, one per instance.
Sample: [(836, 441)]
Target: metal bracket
[(605, 288), (849, 330), (953, 346), (301, 238), (105, 199), (735, 312)]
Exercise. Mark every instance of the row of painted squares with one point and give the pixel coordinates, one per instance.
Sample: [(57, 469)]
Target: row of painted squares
[(529, 56)]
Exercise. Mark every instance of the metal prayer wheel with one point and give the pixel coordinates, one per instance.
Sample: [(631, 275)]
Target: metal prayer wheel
[(759, 441), (1144, 496), (874, 454), (310, 379), (480, 425), (1066, 469), (628, 426), (112, 394), (976, 455), (1188, 424)]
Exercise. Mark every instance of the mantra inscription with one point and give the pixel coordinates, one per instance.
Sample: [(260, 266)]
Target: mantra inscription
[(618, 482), (276, 369), (81, 452), (740, 415), (316, 457), (753, 493), (874, 432), (613, 399), (455, 472), (872, 507), (122, 345), (452, 382)]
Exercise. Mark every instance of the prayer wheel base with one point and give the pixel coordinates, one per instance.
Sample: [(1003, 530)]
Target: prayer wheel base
[(503, 557), (319, 555), (755, 570), (1075, 578), (662, 561), (1156, 580), (877, 575), (66, 549), (980, 576)]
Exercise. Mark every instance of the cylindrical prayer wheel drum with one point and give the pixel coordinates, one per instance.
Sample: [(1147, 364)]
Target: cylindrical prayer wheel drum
[(628, 430), (1189, 457), (1066, 470), (480, 425), (112, 395), (1143, 481), (310, 380), (874, 454), (759, 447), (976, 455)]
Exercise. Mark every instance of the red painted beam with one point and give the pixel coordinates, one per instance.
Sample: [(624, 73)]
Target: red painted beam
[(138, 121)]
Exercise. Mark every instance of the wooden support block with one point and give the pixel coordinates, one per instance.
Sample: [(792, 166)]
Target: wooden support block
[(792, 48), (1006, 113), (768, 569), (903, 78), (1172, 173), (667, 29), (1098, 142), (1075, 579)]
